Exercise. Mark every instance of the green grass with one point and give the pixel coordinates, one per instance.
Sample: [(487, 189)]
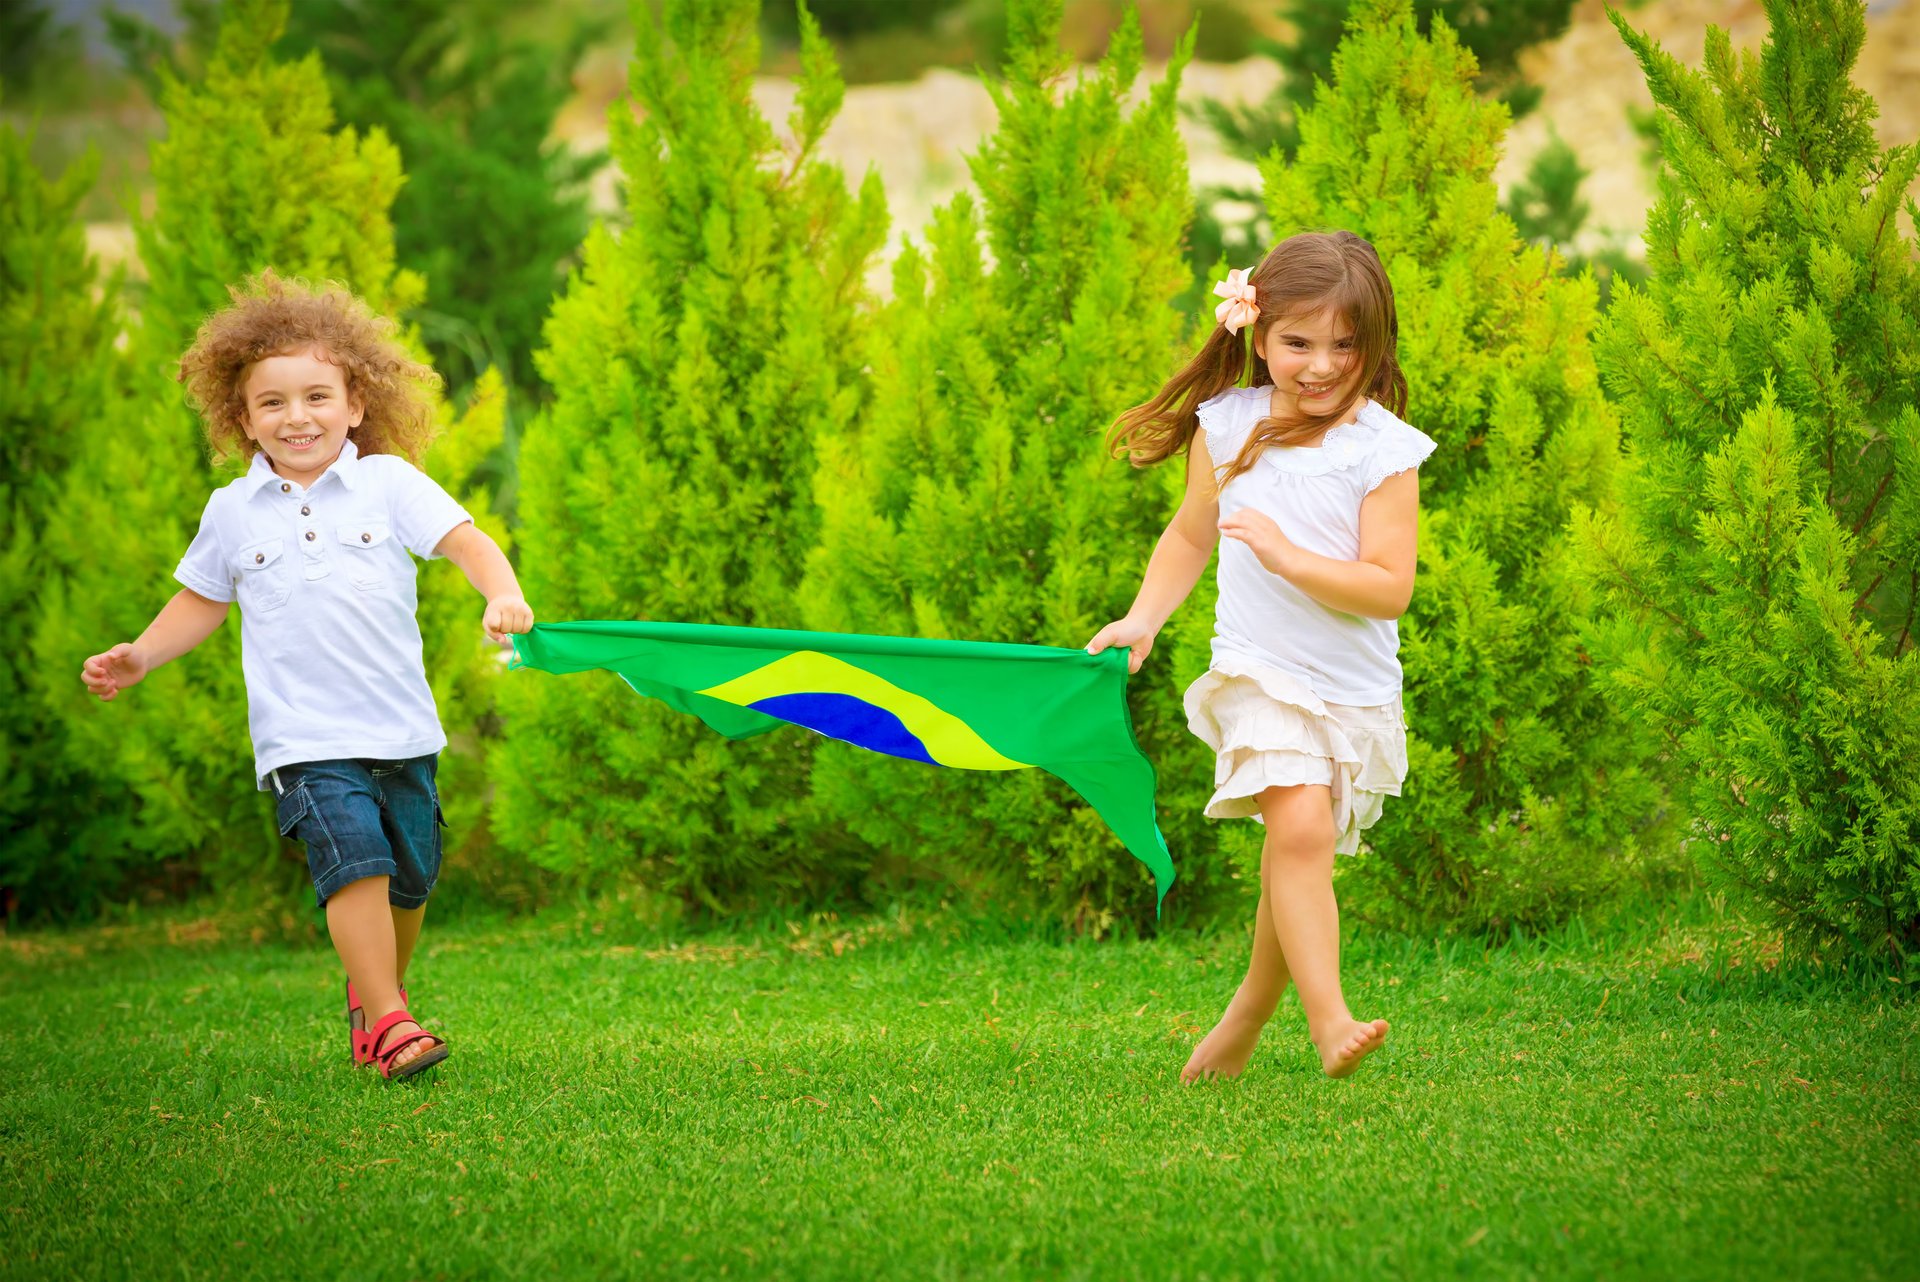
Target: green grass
[(915, 1101)]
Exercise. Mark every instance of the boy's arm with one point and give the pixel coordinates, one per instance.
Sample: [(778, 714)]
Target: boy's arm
[(486, 567), (183, 623)]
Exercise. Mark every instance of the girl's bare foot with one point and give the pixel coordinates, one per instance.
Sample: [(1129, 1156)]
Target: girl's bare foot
[(1225, 1051), (1346, 1044)]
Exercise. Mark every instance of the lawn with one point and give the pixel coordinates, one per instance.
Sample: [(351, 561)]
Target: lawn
[(908, 1098)]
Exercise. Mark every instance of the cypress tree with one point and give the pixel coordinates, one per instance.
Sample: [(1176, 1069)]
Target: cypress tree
[(251, 174), (57, 373), (975, 499), (1761, 575), (1525, 789), (694, 359), (492, 206)]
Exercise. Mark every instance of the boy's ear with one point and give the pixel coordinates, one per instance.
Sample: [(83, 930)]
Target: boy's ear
[(357, 407)]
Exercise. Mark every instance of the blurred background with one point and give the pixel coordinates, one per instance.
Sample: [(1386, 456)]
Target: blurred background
[(1578, 166)]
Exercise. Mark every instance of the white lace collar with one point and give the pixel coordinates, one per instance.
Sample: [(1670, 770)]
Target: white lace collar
[(1342, 446)]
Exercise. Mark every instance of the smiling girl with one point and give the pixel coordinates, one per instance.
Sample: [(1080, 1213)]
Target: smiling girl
[(1312, 478), (313, 543)]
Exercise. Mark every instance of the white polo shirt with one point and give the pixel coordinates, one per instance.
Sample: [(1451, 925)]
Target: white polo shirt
[(328, 639)]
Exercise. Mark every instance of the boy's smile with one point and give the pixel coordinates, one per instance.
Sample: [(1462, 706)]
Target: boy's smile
[(298, 412)]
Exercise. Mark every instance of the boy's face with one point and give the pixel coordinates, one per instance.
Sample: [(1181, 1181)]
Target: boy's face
[(298, 412)]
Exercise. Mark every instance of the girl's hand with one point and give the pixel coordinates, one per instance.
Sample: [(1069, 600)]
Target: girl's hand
[(1130, 632), (1259, 531), (507, 614), (108, 674)]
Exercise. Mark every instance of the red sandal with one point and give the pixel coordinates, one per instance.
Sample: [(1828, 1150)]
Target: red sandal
[(383, 1054), (362, 1045)]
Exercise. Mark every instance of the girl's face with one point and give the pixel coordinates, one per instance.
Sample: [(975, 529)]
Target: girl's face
[(299, 413), (1313, 362)]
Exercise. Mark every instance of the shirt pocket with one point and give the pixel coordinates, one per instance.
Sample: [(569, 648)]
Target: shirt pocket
[(261, 575), (366, 551)]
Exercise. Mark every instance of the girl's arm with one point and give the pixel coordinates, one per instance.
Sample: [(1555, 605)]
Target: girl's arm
[(182, 624), (1178, 561), (485, 565), (1379, 584)]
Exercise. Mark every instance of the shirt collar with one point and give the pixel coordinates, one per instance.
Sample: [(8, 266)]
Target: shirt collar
[(260, 472)]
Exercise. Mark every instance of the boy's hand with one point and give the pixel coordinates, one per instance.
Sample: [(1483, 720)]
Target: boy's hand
[(1130, 632), (108, 674), (507, 614)]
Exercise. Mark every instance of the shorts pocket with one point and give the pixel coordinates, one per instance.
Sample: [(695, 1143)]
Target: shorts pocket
[(364, 549), (291, 807), (262, 574)]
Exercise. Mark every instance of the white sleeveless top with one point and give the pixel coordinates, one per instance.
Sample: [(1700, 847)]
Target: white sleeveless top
[(1314, 494)]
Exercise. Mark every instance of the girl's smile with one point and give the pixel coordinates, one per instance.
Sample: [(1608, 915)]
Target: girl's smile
[(1311, 358)]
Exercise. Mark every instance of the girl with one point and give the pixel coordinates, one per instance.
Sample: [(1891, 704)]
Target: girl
[(321, 398), (1311, 476)]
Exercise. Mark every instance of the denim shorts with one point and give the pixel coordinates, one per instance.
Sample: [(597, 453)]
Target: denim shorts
[(365, 818)]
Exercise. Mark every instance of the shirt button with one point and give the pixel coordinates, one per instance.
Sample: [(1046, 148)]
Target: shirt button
[(259, 558), (305, 510), (366, 538), (285, 488), (309, 536)]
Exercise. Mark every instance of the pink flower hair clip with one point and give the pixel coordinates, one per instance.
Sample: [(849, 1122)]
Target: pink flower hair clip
[(1242, 307), (1239, 311)]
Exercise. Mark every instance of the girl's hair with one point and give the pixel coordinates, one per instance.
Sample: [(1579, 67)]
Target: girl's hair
[(273, 316), (1303, 274)]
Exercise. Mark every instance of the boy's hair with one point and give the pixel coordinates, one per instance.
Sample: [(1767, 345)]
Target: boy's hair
[(1303, 274), (273, 316)]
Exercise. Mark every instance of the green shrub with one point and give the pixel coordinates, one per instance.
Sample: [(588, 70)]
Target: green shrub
[(493, 207), (57, 373), (1526, 788), (695, 357), (1761, 577), (1494, 34), (975, 498)]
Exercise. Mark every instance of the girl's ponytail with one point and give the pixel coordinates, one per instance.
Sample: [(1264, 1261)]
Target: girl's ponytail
[(1161, 428)]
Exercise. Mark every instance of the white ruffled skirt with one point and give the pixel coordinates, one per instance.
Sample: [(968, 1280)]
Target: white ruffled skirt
[(1269, 730)]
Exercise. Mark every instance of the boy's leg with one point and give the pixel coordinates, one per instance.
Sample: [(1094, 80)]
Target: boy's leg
[(410, 822), (1224, 1052), (1297, 873), (410, 818), (334, 807), (406, 933), (361, 927)]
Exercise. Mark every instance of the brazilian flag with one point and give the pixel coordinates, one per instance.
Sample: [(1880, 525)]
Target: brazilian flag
[(964, 705)]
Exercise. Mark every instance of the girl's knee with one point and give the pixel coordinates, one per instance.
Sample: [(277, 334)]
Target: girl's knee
[(1299, 825)]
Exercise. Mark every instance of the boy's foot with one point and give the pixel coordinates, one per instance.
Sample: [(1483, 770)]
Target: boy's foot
[(412, 1050), (409, 1052), (1344, 1046), (1225, 1051)]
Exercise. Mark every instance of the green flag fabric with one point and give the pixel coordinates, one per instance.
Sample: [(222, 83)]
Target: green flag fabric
[(967, 705)]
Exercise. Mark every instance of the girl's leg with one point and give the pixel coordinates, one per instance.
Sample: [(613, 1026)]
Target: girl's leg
[(1225, 1051), (1297, 873), (362, 927)]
